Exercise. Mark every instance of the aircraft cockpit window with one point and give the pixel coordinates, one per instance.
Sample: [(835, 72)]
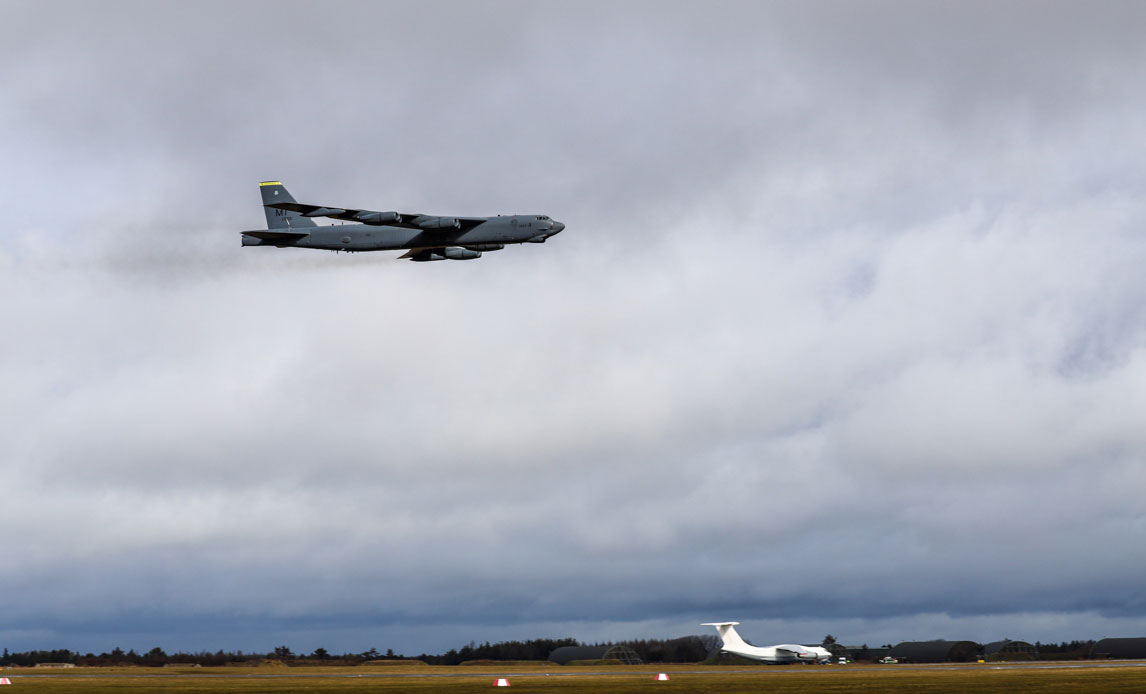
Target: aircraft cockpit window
[(543, 218)]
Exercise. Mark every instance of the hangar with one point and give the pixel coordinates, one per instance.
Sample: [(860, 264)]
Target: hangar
[(936, 651), (866, 652), (1010, 650), (566, 654), (1120, 649)]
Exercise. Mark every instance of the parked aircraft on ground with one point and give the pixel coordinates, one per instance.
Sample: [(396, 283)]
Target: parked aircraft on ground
[(426, 237), (782, 653)]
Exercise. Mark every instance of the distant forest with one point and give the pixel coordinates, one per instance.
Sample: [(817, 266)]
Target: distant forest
[(688, 649)]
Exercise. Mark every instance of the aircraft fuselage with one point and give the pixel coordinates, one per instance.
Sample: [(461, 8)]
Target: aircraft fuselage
[(366, 237)]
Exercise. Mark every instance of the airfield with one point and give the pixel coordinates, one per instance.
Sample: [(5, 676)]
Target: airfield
[(1042, 677)]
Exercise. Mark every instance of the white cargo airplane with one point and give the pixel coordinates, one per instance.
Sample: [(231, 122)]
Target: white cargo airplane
[(782, 653)]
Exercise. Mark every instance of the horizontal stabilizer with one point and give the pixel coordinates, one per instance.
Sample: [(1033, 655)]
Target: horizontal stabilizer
[(276, 234)]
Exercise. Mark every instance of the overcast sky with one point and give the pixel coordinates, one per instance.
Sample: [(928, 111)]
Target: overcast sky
[(846, 332)]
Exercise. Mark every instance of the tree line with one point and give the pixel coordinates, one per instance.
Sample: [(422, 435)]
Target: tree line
[(537, 649), (687, 649), (1067, 650)]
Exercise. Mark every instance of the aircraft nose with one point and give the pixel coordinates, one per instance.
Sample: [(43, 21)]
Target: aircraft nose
[(557, 227)]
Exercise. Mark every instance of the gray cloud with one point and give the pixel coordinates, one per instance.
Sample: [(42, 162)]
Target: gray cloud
[(844, 335)]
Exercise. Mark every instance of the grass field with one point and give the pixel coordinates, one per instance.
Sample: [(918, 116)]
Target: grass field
[(539, 678)]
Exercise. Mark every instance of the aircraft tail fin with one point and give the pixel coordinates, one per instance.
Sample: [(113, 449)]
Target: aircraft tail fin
[(275, 191), (728, 634)]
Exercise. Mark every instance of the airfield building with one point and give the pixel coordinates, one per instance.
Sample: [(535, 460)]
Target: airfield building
[(865, 652), (936, 652), (567, 654), (1010, 650), (1119, 649)]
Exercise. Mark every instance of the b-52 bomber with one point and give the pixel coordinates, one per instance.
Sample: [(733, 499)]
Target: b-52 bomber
[(425, 237)]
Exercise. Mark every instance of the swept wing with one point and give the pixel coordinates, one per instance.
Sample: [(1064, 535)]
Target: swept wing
[(409, 220)]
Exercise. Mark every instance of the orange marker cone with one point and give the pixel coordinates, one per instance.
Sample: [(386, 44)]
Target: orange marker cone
[(501, 682), (662, 677)]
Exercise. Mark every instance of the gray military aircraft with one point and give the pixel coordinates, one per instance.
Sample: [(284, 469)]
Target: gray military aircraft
[(290, 224)]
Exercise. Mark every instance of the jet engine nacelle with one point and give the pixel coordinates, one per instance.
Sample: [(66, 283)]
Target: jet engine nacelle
[(438, 223), (379, 217), (461, 254), (486, 247), (451, 253)]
